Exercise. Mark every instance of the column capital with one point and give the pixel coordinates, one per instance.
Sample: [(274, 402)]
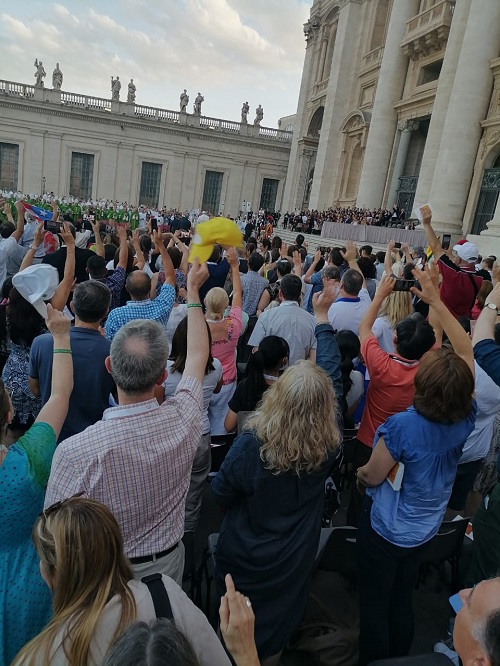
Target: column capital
[(408, 125)]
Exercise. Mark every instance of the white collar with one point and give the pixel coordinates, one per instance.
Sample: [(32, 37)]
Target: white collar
[(289, 303), (130, 410)]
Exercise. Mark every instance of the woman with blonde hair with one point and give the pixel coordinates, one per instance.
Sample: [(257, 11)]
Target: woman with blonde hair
[(271, 485), (394, 308), (225, 330), (95, 596)]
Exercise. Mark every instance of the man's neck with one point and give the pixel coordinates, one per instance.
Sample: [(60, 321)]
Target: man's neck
[(127, 399), (344, 294), (85, 324)]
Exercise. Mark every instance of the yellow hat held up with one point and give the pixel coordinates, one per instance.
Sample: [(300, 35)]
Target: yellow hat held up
[(219, 230)]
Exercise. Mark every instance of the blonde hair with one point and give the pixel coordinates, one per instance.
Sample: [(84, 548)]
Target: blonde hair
[(296, 422), (396, 307), (81, 548), (216, 302)]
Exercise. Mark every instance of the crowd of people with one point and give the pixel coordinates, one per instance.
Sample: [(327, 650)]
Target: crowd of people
[(125, 361), (311, 221)]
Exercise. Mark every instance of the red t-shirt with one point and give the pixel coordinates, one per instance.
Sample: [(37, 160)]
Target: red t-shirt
[(457, 287), (390, 390)]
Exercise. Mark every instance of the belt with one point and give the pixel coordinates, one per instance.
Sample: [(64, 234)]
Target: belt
[(152, 558)]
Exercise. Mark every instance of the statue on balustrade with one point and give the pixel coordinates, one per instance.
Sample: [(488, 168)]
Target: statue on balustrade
[(39, 74), (184, 101), (131, 92), (57, 78), (116, 86), (259, 114), (197, 104), (244, 112)]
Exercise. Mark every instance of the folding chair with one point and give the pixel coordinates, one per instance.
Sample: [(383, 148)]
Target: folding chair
[(446, 546)]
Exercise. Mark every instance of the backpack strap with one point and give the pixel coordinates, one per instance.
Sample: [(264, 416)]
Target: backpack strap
[(474, 286), (161, 601)]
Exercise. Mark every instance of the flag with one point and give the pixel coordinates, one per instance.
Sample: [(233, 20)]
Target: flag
[(40, 213), (428, 252)]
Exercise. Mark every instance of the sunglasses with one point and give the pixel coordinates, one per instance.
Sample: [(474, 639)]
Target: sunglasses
[(57, 505)]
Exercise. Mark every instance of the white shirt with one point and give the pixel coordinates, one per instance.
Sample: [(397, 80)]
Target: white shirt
[(346, 315), (357, 389), (7, 247), (384, 333), (488, 403)]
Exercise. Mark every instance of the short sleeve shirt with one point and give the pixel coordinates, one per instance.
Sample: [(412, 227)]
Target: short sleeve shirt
[(457, 287)]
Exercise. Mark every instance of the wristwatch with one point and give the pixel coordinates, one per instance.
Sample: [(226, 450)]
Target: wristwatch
[(492, 306)]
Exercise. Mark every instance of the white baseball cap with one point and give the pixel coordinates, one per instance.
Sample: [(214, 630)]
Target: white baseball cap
[(467, 252), (37, 284)]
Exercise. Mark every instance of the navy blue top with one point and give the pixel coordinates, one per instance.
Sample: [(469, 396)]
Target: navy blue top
[(216, 278), (430, 453), (92, 382), (487, 354)]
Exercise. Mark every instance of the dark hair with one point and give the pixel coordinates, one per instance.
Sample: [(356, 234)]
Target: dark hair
[(215, 256), (486, 275), (283, 267), (138, 285), (352, 282), (275, 255), (4, 404), (415, 336), (130, 259), (367, 249), (91, 300), (380, 256), (489, 261), (96, 266), (271, 351), (485, 289), (250, 248), (255, 262), (444, 385), (176, 256), (367, 267), (266, 243), (335, 257), (276, 242), (178, 352), (349, 347), (109, 252), (158, 643), (407, 271), (7, 229), (320, 265), (299, 240), (491, 637), (291, 250), (23, 321), (291, 287), (145, 243)]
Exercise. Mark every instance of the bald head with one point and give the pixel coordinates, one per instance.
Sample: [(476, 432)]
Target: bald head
[(138, 285), (476, 633)]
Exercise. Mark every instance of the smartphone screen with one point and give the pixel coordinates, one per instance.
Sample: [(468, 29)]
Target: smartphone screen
[(404, 285), (53, 227), (397, 245)]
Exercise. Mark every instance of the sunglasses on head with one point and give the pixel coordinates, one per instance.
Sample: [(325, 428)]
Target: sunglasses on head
[(57, 505)]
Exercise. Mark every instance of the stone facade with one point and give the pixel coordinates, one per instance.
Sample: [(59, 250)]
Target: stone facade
[(400, 103), (192, 162)]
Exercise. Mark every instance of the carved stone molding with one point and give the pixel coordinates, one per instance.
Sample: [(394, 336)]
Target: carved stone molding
[(408, 126)]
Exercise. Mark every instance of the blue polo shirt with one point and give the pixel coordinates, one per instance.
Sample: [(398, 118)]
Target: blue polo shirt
[(92, 382)]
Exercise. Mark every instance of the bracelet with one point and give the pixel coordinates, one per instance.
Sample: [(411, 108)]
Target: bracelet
[(320, 323), (33, 247), (62, 351), (194, 305)]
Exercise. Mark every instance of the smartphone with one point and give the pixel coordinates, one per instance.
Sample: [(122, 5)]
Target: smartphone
[(455, 602), (154, 224), (397, 246), (53, 227), (404, 285), (446, 241)]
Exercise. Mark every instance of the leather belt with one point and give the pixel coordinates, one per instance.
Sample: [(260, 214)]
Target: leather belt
[(153, 558)]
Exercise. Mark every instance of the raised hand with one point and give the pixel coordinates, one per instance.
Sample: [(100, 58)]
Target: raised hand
[(385, 286), (237, 622), (57, 322), (351, 252), (428, 291), (197, 275)]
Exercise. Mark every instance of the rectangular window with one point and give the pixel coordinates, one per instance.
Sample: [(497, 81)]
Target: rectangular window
[(430, 73), (9, 161), (150, 184), (211, 191), (268, 194), (82, 174)]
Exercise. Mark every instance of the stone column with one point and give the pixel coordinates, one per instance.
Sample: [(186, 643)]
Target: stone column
[(345, 58), (404, 137), (299, 130), (441, 101), (390, 85), (469, 100)]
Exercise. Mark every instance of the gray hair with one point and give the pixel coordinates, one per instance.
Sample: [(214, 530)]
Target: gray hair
[(486, 632), (91, 300), (139, 353), (331, 272), (158, 643)]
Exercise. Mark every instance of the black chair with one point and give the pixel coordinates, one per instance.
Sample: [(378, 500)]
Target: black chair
[(339, 552), (346, 469), (446, 546), (205, 576), (431, 659)]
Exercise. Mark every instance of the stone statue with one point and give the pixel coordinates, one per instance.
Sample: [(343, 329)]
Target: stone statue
[(131, 92), (57, 78), (244, 112), (310, 27), (116, 86), (184, 101), (259, 114), (197, 104), (39, 74)]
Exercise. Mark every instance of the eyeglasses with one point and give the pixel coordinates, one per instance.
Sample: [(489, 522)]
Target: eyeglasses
[(57, 505)]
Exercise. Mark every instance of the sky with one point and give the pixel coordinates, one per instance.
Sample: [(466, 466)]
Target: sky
[(232, 51)]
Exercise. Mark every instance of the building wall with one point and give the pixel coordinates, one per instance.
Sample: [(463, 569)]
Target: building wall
[(404, 88), (121, 138)]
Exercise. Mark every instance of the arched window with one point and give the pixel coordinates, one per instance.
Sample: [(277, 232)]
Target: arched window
[(327, 61), (316, 122), (378, 32), (354, 172)]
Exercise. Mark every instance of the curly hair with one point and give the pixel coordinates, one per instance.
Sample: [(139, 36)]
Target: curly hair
[(396, 307), (296, 422)]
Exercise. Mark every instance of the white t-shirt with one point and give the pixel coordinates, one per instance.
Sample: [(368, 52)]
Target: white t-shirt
[(210, 381), (488, 400), (346, 314), (357, 388), (7, 247), (178, 313), (384, 333)]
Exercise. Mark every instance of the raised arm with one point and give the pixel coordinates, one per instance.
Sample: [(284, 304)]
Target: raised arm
[(327, 351), (310, 270), (297, 264), (56, 408), (60, 298), (232, 258), (432, 239), (184, 267), (168, 267), (406, 250), (123, 254), (388, 258), (99, 245), (30, 254), (429, 293), (55, 211), (197, 337), (350, 255), (385, 287), (20, 221), (485, 325), (140, 260)]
